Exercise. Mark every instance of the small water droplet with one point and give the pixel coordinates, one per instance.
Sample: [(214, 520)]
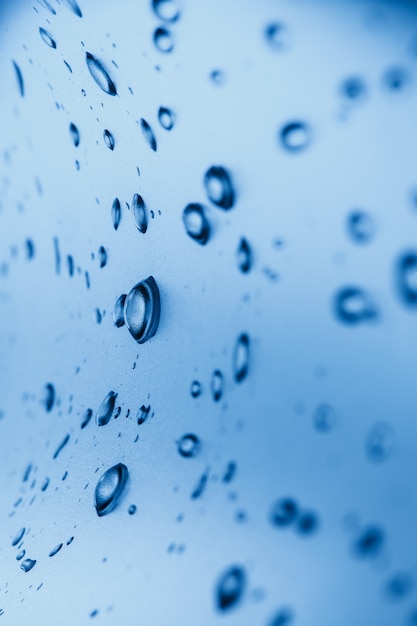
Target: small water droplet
[(241, 357), (132, 509), (216, 385), (61, 445), (73, 6), (353, 305), (324, 417), (102, 256), (47, 37), (277, 36), (195, 389), (189, 445), (143, 309), (119, 311), (200, 486), (55, 550), (109, 489), (142, 414), (48, 397), (116, 213), (353, 88), (108, 139), (45, 484), (283, 512), (148, 133), (30, 249), (360, 226), (284, 617), (139, 213), (18, 537), (219, 187), (196, 223), (406, 274), (307, 523), (230, 587), (295, 136), (19, 78), (75, 134), (395, 79), (106, 409), (230, 472), (369, 542), (27, 565), (88, 414), (166, 10), (218, 77), (398, 586), (244, 256), (380, 442), (20, 555), (100, 75), (163, 39), (166, 118)]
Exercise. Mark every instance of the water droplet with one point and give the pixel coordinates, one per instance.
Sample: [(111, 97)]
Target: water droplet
[(108, 139), (19, 78), (48, 397), (45, 484), (106, 409), (277, 36), (166, 10), (380, 442), (244, 256), (353, 88), (230, 472), (47, 37), (55, 550), (143, 309), (75, 134), (166, 118), (324, 417), (200, 486), (219, 187), (369, 542), (352, 306), (73, 6), (218, 77), (109, 488), (116, 213), (295, 136), (189, 445), (27, 565), (284, 512), (216, 385), (407, 278), (196, 224), (395, 79), (18, 537), (163, 40), (61, 445), (119, 311), (139, 213), (30, 249), (230, 587), (132, 509), (360, 226), (20, 555), (307, 523), (398, 586), (284, 617), (195, 389), (241, 357), (88, 414), (148, 133), (100, 75), (143, 413)]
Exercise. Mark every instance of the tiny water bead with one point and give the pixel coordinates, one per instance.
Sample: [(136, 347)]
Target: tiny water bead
[(360, 227), (132, 509), (200, 486), (189, 445), (324, 417), (142, 414), (284, 617), (395, 79), (61, 446), (73, 6), (163, 40), (277, 36), (102, 256), (353, 306), (284, 512), (307, 523), (139, 213), (27, 565), (219, 187), (295, 136), (195, 389), (108, 139), (143, 309), (241, 357), (166, 118), (353, 88), (106, 409), (20, 555), (47, 37), (19, 78), (244, 256), (230, 588), (88, 414), (398, 586), (406, 275), (75, 134), (216, 385), (116, 213), (55, 550), (48, 397), (166, 10), (18, 537), (196, 223), (380, 442), (148, 134), (100, 75), (110, 488), (119, 311), (370, 542)]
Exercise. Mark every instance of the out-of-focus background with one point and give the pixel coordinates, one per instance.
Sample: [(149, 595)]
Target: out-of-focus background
[(252, 458)]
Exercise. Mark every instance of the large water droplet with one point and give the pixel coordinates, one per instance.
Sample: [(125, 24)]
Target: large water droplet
[(216, 385), (106, 409), (108, 139), (219, 186), (277, 36), (139, 213), (27, 565), (230, 587), (360, 226), (163, 39), (100, 75), (407, 278), (148, 133), (380, 442), (166, 10), (75, 134), (354, 306), (19, 78), (295, 136), (241, 357), (48, 397), (116, 213), (166, 118), (109, 488), (244, 256), (284, 512), (119, 311), (195, 222), (143, 309), (47, 37), (189, 445)]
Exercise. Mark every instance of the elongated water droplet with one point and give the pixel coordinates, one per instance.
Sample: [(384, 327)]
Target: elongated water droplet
[(230, 587), (295, 136), (148, 133), (143, 309), (119, 311), (61, 445), (200, 486), (73, 6), (48, 397), (407, 278), (108, 139), (27, 565), (19, 78), (18, 537), (277, 36), (88, 414), (196, 224), (216, 385), (116, 213), (47, 37), (166, 10), (219, 187), (360, 226), (352, 306), (380, 442), (55, 550), (230, 472), (109, 489), (100, 75), (75, 134), (195, 389), (189, 445), (244, 256), (139, 214), (166, 118), (20, 555), (142, 414), (106, 409), (163, 40), (45, 484), (241, 357), (324, 417), (102, 256), (283, 512)]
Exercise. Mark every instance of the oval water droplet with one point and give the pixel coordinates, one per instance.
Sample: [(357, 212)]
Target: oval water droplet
[(116, 213), (55, 550), (106, 409), (75, 134), (370, 542), (20, 555), (166, 10), (109, 489), (139, 214), (196, 223), (283, 512), (324, 417), (307, 523), (102, 256), (195, 389), (142, 414), (189, 445), (216, 385), (395, 79), (241, 357), (353, 88), (27, 565), (143, 310), (132, 509), (73, 6), (19, 78), (100, 75), (166, 118), (119, 311), (18, 537), (284, 617), (295, 136), (47, 37), (380, 442), (230, 587), (352, 306), (360, 226), (277, 36), (407, 278), (88, 414), (108, 139), (48, 397), (219, 187), (148, 133), (244, 256), (163, 40)]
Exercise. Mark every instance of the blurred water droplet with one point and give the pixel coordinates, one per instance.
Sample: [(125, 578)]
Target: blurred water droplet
[(119, 311), (88, 414), (109, 489), (19, 78), (132, 509), (307, 523), (106, 409), (143, 309), (241, 357), (295, 136), (142, 414), (216, 385), (55, 550), (139, 213), (47, 37), (283, 512), (219, 187), (395, 79), (116, 213), (200, 486), (230, 587), (61, 446), (360, 226), (166, 118), (45, 484), (370, 542), (73, 6), (398, 586), (30, 249), (189, 445), (100, 75), (353, 305), (75, 134), (18, 537), (244, 256), (108, 139), (230, 472), (166, 10), (407, 278), (27, 565), (48, 397), (148, 133), (163, 39), (218, 77), (196, 224), (195, 389), (20, 555), (284, 617), (277, 36), (380, 442), (353, 88), (324, 417)]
